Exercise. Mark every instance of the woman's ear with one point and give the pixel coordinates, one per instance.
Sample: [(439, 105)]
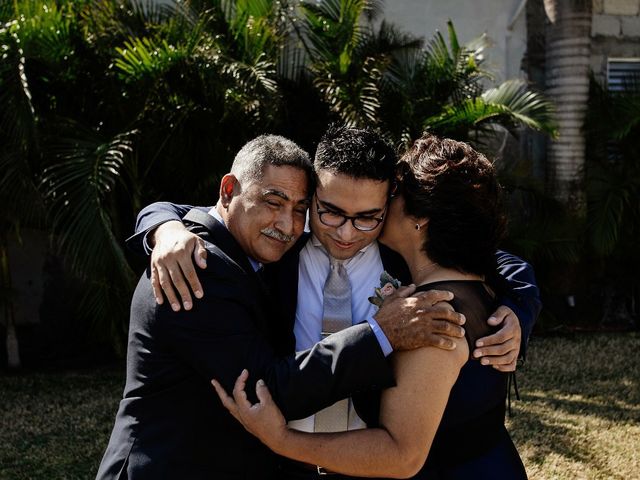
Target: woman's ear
[(421, 223), (227, 189)]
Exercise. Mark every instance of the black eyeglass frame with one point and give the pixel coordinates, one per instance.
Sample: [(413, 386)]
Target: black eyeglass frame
[(379, 219)]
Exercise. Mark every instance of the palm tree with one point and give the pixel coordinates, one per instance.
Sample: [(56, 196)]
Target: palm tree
[(567, 85), (165, 84), (380, 76), (20, 201), (441, 89), (112, 104), (348, 57)]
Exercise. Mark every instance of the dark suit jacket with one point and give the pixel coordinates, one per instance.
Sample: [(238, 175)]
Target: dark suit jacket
[(170, 423)]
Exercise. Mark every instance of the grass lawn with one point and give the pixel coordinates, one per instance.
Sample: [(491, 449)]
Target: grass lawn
[(579, 417)]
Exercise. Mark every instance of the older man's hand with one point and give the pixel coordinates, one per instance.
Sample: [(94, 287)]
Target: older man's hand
[(425, 319)]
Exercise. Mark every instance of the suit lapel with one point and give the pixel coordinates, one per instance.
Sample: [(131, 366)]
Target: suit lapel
[(283, 277), (214, 232)]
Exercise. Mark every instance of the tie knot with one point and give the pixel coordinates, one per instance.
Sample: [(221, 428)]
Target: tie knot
[(335, 263)]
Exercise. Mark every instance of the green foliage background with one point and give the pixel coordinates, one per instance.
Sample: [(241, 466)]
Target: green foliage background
[(109, 105)]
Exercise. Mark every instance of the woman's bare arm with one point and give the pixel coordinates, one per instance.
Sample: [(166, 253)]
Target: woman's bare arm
[(409, 417)]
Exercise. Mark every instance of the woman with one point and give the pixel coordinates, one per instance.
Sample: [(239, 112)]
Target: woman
[(446, 222)]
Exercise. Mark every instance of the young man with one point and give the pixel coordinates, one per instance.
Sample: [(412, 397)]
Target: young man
[(354, 169), (169, 423)]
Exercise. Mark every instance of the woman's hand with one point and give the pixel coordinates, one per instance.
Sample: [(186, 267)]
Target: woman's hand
[(263, 420)]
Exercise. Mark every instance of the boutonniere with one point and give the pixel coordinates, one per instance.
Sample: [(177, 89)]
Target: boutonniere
[(388, 285)]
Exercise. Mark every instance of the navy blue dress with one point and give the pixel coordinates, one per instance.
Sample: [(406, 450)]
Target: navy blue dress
[(472, 441)]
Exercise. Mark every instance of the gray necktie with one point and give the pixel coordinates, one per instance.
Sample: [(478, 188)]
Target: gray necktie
[(336, 316)]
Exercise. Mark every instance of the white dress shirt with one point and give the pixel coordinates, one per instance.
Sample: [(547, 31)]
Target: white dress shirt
[(364, 271)]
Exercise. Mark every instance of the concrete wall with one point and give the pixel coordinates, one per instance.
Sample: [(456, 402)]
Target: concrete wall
[(615, 33), (615, 28), (503, 20)]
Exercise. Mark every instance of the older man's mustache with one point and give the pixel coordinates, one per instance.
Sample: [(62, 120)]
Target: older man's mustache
[(278, 235)]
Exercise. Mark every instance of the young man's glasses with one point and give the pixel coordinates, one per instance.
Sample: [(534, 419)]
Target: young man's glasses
[(362, 223)]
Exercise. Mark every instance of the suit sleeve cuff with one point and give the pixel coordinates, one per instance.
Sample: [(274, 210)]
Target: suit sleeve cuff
[(148, 249), (385, 345), (145, 244)]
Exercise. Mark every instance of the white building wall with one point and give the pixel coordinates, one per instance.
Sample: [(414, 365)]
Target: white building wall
[(502, 20)]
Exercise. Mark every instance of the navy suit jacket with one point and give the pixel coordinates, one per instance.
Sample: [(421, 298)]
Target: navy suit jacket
[(170, 424)]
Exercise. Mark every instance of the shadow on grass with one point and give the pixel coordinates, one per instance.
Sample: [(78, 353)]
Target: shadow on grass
[(580, 407), (578, 417), (549, 442), (604, 407)]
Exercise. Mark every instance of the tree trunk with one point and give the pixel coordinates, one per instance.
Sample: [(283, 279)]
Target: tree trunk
[(535, 144), (13, 351), (567, 84)]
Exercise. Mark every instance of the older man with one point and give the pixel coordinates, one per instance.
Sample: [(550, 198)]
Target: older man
[(170, 424), (353, 169)]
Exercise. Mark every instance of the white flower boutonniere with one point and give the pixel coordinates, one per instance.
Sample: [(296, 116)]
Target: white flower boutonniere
[(388, 285)]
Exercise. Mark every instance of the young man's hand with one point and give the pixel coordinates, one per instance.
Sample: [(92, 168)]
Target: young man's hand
[(501, 349), (175, 249)]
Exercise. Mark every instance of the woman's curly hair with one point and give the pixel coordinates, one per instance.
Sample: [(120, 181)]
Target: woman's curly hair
[(456, 188)]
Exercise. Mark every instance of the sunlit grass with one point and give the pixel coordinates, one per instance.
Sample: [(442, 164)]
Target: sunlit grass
[(579, 417)]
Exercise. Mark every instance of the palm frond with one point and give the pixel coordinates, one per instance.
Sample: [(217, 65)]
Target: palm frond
[(373, 10), (126, 18), (260, 75), (512, 103), (346, 67), (21, 201), (83, 170), (333, 28), (147, 57), (453, 39), (450, 72), (17, 117), (43, 30), (6, 12), (292, 61), (524, 106), (253, 89), (142, 13), (354, 100)]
